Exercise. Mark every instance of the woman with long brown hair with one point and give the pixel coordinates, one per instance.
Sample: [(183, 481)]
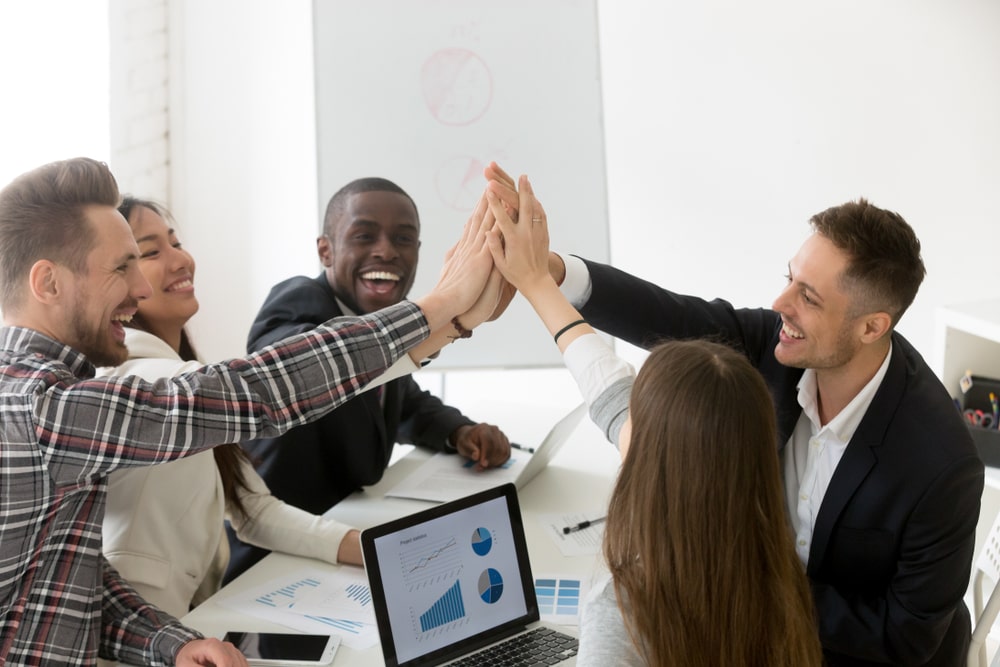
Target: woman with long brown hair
[(701, 563), (700, 555)]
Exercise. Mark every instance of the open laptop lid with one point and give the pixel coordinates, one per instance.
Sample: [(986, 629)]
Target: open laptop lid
[(446, 477), (450, 579), (557, 436)]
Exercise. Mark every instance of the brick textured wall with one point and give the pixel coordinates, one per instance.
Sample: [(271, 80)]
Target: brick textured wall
[(139, 92)]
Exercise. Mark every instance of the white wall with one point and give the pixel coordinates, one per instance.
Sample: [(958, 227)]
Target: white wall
[(54, 83), (728, 124), (243, 166)]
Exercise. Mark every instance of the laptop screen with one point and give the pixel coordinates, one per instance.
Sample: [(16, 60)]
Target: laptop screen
[(451, 578)]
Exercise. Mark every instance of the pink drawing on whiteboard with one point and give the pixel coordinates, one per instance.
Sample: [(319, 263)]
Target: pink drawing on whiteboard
[(459, 182), (457, 86)]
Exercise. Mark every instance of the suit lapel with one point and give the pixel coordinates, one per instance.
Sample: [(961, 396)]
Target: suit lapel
[(860, 456)]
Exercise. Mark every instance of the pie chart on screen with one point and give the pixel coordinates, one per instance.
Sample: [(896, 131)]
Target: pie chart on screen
[(490, 585), (482, 541)]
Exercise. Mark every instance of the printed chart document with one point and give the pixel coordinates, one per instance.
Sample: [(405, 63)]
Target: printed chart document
[(559, 598), (313, 601)]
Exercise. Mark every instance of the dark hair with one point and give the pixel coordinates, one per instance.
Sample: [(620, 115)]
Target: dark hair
[(696, 538), (884, 268), (338, 202), (42, 217), (229, 457)]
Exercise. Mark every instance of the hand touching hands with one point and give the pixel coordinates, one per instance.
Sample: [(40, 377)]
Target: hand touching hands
[(519, 242), (520, 249), (467, 268)]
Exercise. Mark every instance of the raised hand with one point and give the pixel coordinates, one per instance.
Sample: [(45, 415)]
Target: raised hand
[(466, 269), (520, 249), (502, 185)]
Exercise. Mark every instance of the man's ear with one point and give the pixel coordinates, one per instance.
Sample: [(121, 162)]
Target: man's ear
[(324, 250), (44, 281), (877, 325)]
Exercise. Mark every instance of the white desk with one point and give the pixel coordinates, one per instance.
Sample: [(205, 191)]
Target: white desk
[(578, 479)]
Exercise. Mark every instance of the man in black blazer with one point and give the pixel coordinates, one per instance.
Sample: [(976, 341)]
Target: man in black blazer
[(882, 479), (369, 251)]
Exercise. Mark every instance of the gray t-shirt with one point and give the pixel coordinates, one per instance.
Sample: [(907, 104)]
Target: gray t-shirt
[(603, 637)]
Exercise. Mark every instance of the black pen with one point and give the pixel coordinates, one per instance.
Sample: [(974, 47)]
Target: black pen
[(530, 450), (580, 526)]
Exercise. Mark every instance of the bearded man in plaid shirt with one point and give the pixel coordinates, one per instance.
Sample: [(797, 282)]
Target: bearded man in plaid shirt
[(68, 281)]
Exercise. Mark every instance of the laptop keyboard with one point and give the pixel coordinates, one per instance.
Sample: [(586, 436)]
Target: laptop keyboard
[(541, 646)]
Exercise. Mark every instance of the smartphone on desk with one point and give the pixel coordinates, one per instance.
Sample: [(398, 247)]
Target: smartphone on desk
[(284, 648)]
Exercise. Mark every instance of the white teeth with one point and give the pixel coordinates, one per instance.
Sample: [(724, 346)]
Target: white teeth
[(184, 284), (122, 318), (379, 275), (791, 333)]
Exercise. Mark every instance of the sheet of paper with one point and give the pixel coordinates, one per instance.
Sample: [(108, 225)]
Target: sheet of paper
[(445, 477), (317, 602), (584, 542), (559, 598)]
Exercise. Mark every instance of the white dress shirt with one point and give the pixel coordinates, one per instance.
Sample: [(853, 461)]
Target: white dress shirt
[(813, 452)]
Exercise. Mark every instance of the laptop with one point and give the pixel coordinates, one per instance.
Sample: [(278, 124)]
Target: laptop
[(445, 477), (454, 580)]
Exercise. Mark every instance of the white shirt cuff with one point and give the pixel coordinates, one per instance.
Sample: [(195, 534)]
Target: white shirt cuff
[(576, 285)]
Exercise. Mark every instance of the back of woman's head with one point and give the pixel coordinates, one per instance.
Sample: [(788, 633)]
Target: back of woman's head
[(696, 537)]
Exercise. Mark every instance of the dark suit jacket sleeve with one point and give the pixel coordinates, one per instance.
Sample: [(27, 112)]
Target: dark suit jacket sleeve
[(425, 420), (644, 314)]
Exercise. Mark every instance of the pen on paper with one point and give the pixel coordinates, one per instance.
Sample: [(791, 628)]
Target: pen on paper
[(580, 526), (530, 450)]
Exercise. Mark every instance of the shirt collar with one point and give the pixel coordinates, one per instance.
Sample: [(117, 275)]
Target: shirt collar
[(344, 309), (22, 342), (846, 422)]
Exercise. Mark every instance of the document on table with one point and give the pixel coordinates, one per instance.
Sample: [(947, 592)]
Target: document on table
[(445, 477), (584, 542), (313, 601)]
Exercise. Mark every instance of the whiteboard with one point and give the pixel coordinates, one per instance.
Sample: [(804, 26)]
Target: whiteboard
[(427, 92)]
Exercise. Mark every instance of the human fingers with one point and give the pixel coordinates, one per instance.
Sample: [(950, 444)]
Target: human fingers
[(522, 253), (508, 195), (493, 172), (209, 652), (487, 303), (494, 447)]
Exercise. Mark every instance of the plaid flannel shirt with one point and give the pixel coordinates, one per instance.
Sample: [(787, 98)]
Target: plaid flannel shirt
[(62, 431)]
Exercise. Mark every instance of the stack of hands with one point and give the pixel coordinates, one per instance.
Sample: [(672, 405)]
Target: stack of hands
[(496, 257)]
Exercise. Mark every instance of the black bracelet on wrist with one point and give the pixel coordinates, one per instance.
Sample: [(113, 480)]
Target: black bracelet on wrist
[(567, 328)]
